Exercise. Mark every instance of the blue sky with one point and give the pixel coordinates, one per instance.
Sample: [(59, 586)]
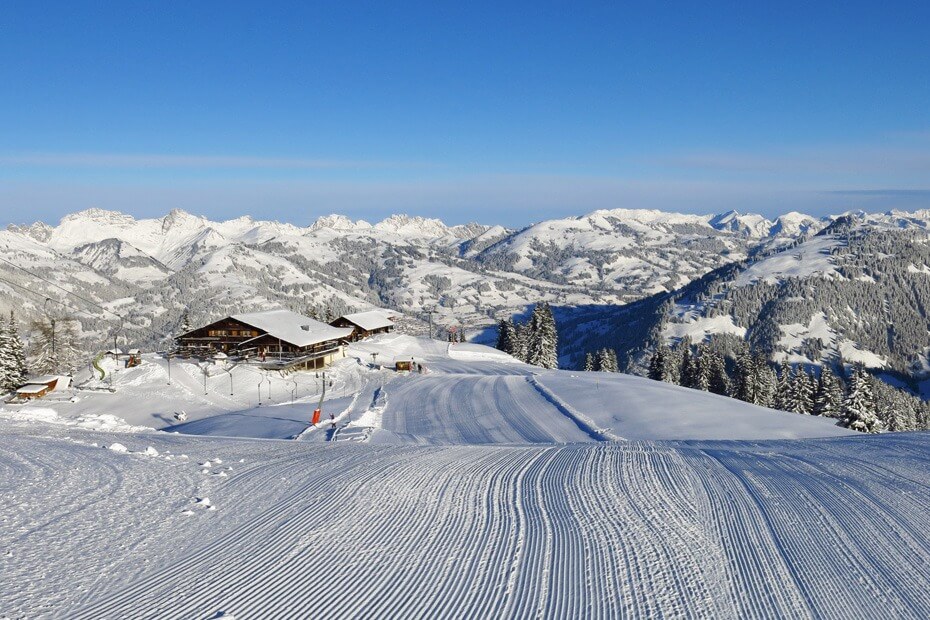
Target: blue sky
[(498, 112)]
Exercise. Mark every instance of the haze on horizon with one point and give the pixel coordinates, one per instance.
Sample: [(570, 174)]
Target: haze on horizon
[(497, 114)]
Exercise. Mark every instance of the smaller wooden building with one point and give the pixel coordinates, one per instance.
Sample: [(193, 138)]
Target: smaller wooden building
[(365, 324), (40, 386)]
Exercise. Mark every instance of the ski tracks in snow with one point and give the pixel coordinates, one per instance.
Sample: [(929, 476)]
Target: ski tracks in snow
[(602, 530)]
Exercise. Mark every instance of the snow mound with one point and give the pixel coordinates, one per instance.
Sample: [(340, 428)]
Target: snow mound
[(103, 422)]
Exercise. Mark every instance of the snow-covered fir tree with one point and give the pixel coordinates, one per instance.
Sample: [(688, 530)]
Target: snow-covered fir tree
[(782, 399), (6, 360), (657, 364), (186, 326), (746, 379), (828, 400), (543, 338), (859, 407), (766, 381), (701, 368), (661, 365), (606, 360), (898, 410), (801, 393), (521, 341), (507, 337), (18, 368), (590, 364), (718, 379), (689, 364)]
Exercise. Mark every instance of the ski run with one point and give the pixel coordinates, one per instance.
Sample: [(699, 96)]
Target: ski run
[(482, 488)]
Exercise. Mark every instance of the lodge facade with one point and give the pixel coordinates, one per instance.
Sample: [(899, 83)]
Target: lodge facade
[(274, 339)]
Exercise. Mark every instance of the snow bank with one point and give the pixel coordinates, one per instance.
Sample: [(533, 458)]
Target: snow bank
[(104, 422), (637, 408)]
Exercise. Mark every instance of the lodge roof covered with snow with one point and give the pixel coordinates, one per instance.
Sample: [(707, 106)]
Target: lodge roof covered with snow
[(370, 320), (295, 329)]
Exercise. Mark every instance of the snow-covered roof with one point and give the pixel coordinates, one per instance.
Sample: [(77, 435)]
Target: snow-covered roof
[(292, 328), (32, 388), (45, 379), (372, 319)]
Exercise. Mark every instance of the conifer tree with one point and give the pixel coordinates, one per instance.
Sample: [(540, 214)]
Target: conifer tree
[(828, 400), (766, 382), (701, 363), (689, 371), (657, 364), (590, 364), (660, 367), (18, 353), (607, 360), (782, 399), (504, 336), (614, 363), (186, 323), (6, 359), (718, 379), (896, 409), (801, 393), (859, 407), (543, 339), (746, 379), (521, 341)]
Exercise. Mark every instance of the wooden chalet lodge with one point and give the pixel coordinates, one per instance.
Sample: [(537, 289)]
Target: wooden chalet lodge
[(275, 339), (365, 324)]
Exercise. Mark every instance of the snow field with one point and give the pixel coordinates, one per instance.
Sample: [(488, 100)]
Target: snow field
[(815, 528), (484, 488), (638, 408)]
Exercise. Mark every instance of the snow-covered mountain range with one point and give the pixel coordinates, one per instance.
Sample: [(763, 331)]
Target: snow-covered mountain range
[(857, 291), (673, 273), (151, 270)]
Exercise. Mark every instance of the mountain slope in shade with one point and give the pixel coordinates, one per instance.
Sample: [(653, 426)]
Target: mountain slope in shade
[(857, 292)]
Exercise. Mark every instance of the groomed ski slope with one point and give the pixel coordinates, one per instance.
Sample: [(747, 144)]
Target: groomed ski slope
[(483, 488), (816, 528)]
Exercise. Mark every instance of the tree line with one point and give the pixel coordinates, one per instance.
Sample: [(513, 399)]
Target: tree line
[(860, 401)]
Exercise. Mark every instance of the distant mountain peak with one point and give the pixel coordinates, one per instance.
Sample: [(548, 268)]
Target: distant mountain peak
[(335, 221), (415, 225)]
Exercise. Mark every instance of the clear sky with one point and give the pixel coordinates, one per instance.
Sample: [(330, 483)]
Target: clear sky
[(498, 112)]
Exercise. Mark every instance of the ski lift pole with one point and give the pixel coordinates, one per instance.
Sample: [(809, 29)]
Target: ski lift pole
[(319, 410)]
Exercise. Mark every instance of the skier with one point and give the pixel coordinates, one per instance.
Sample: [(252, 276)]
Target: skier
[(332, 421)]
